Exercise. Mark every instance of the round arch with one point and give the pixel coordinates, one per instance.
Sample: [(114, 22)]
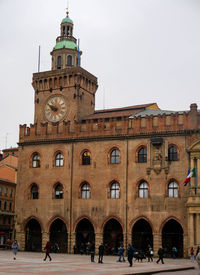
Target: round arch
[(84, 235), (112, 235), (33, 235), (142, 234), (172, 236)]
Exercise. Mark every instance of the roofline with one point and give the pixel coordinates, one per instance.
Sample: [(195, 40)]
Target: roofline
[(124, 108), (7, 181)]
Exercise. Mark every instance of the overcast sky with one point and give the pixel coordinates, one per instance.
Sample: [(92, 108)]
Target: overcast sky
[(142, 51)]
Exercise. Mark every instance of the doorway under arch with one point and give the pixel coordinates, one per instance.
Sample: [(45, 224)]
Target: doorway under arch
[(33, 236), (112, 236), (84, 235), (59, 235), (142, 235), (172, 236)]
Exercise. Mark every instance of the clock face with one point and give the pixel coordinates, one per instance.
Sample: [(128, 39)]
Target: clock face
[(55, 108)]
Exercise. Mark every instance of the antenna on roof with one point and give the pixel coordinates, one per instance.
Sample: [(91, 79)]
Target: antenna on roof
[(39, 60), (67, 12), (78, 53)]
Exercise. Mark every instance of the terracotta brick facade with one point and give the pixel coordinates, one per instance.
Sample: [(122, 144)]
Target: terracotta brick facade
[(141, 196)]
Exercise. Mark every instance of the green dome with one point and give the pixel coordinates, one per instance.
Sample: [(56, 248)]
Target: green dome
[(65, 44), (67, 20)]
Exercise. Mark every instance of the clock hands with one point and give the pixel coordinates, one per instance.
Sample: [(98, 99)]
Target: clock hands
[(53, 108)]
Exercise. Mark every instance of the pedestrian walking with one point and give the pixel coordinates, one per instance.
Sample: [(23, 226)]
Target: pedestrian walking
[(192, 254), (160, 254), (150, 253), (92, 250), (121, 254), (130, 253), (47, 250), (101, 252), (15, 248)]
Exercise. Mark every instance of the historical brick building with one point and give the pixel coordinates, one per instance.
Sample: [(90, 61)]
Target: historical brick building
[(8, 179), (108, 175)]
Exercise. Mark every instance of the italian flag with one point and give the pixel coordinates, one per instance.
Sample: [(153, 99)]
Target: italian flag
[(190, 175)]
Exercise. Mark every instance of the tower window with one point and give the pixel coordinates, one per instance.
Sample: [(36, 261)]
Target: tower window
[(69, 60), (59, 62), (36, 161), (63, 30)]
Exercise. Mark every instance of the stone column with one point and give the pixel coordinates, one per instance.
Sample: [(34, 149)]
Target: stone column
[(72, 242), (98, 241), (191, 231), (157, 242), (45, 238)]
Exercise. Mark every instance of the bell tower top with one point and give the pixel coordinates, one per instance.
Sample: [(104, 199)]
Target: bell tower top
[(66, 52)]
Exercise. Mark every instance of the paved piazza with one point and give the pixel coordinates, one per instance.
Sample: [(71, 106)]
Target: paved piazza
[(32, 263)]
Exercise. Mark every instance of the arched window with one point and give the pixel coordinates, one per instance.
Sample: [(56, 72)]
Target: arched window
[(85, 191), (142, 155), (114, 156), (114, 190), (59, 62), (86, 158), (36, 161), (172, 153), (34, 192), (143, 190), (59, 159), (173, 190), (69, 60), (58, 191)]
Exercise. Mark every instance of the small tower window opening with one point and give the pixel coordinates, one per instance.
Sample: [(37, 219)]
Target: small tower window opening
[(68, 31), (69, 60), (114, 190), (59, 62), (63, 30), (59, 191), (5, 206), (34, 192)]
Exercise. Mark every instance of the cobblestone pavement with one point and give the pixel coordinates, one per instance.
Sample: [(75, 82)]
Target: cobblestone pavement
[(32, 263)]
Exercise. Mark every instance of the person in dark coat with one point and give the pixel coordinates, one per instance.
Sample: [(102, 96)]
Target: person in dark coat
[(160, 254), (92, 250), (101, 252), (47, 250), (130, 252)]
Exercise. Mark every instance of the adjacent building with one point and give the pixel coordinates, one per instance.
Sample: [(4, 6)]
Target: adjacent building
[(108, 176), (8, 179)]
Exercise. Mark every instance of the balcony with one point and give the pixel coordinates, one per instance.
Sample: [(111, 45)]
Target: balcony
[(65, 37)]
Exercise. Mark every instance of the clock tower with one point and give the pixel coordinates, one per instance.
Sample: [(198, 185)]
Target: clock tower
[(67, 92)]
